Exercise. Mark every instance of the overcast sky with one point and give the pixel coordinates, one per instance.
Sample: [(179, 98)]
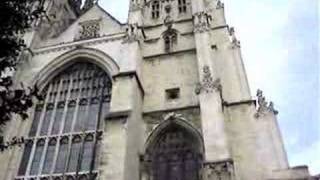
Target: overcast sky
[(280, 46)]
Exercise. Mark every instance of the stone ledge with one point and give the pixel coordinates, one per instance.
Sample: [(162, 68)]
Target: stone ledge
[(248, 102), (131, 74), (294, 173)]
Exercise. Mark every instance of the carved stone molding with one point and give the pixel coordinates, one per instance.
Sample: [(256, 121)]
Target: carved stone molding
[(219, 170), (263, 106), (173, 115), (73, 45), (208, 85), (235, 42), (201, 22)]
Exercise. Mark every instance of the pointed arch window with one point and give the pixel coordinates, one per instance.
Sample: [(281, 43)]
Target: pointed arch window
[(174, 154), (66, 130), (170, 39), (182, 6), (155, 8)]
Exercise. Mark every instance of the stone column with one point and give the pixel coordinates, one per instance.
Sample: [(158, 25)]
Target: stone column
[(128, 92), (209, 89)]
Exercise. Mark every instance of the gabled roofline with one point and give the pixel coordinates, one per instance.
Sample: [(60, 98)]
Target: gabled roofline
[(103, 10), (112, 17)]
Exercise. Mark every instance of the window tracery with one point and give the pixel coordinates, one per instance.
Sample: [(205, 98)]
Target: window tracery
[(170, 38), (182, 6), (66, 131), (155, 9), (174, 155)]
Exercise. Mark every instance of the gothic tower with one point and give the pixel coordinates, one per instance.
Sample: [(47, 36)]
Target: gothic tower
[(164, 96)]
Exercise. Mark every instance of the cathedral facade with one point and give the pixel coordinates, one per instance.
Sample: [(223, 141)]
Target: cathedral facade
[(164, 96)]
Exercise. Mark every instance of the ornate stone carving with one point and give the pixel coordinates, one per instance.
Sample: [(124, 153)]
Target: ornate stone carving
[(220, 4), (219, 170), (201, 22), (208, 85), (132, 34), (263, 106), (234, 40), (89, 29)]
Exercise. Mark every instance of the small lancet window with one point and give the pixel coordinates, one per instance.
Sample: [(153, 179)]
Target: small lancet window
[(155, 9), (170, 38), (182, 6)]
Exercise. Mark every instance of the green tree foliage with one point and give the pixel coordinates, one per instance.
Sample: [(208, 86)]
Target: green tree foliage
[(16, 16)]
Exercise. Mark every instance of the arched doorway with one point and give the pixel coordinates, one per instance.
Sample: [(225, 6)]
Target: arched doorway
[(174, 154)]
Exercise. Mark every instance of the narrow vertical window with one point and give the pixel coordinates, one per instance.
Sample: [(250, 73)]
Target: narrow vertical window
[(58, 119), (49, 156), (46, 120), (37, 157), (155, 9), (104, 110), (81, 118), (74, 154), (69, 117), (36, 120), (93, 115), (97, 152), (62, 156), (167, 43), (88, 148), (182, 6), (170, 39), (25, 158)]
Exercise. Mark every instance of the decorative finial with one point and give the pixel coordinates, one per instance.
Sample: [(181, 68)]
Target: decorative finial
[(263, 106), (234, 40), (220, 4)]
